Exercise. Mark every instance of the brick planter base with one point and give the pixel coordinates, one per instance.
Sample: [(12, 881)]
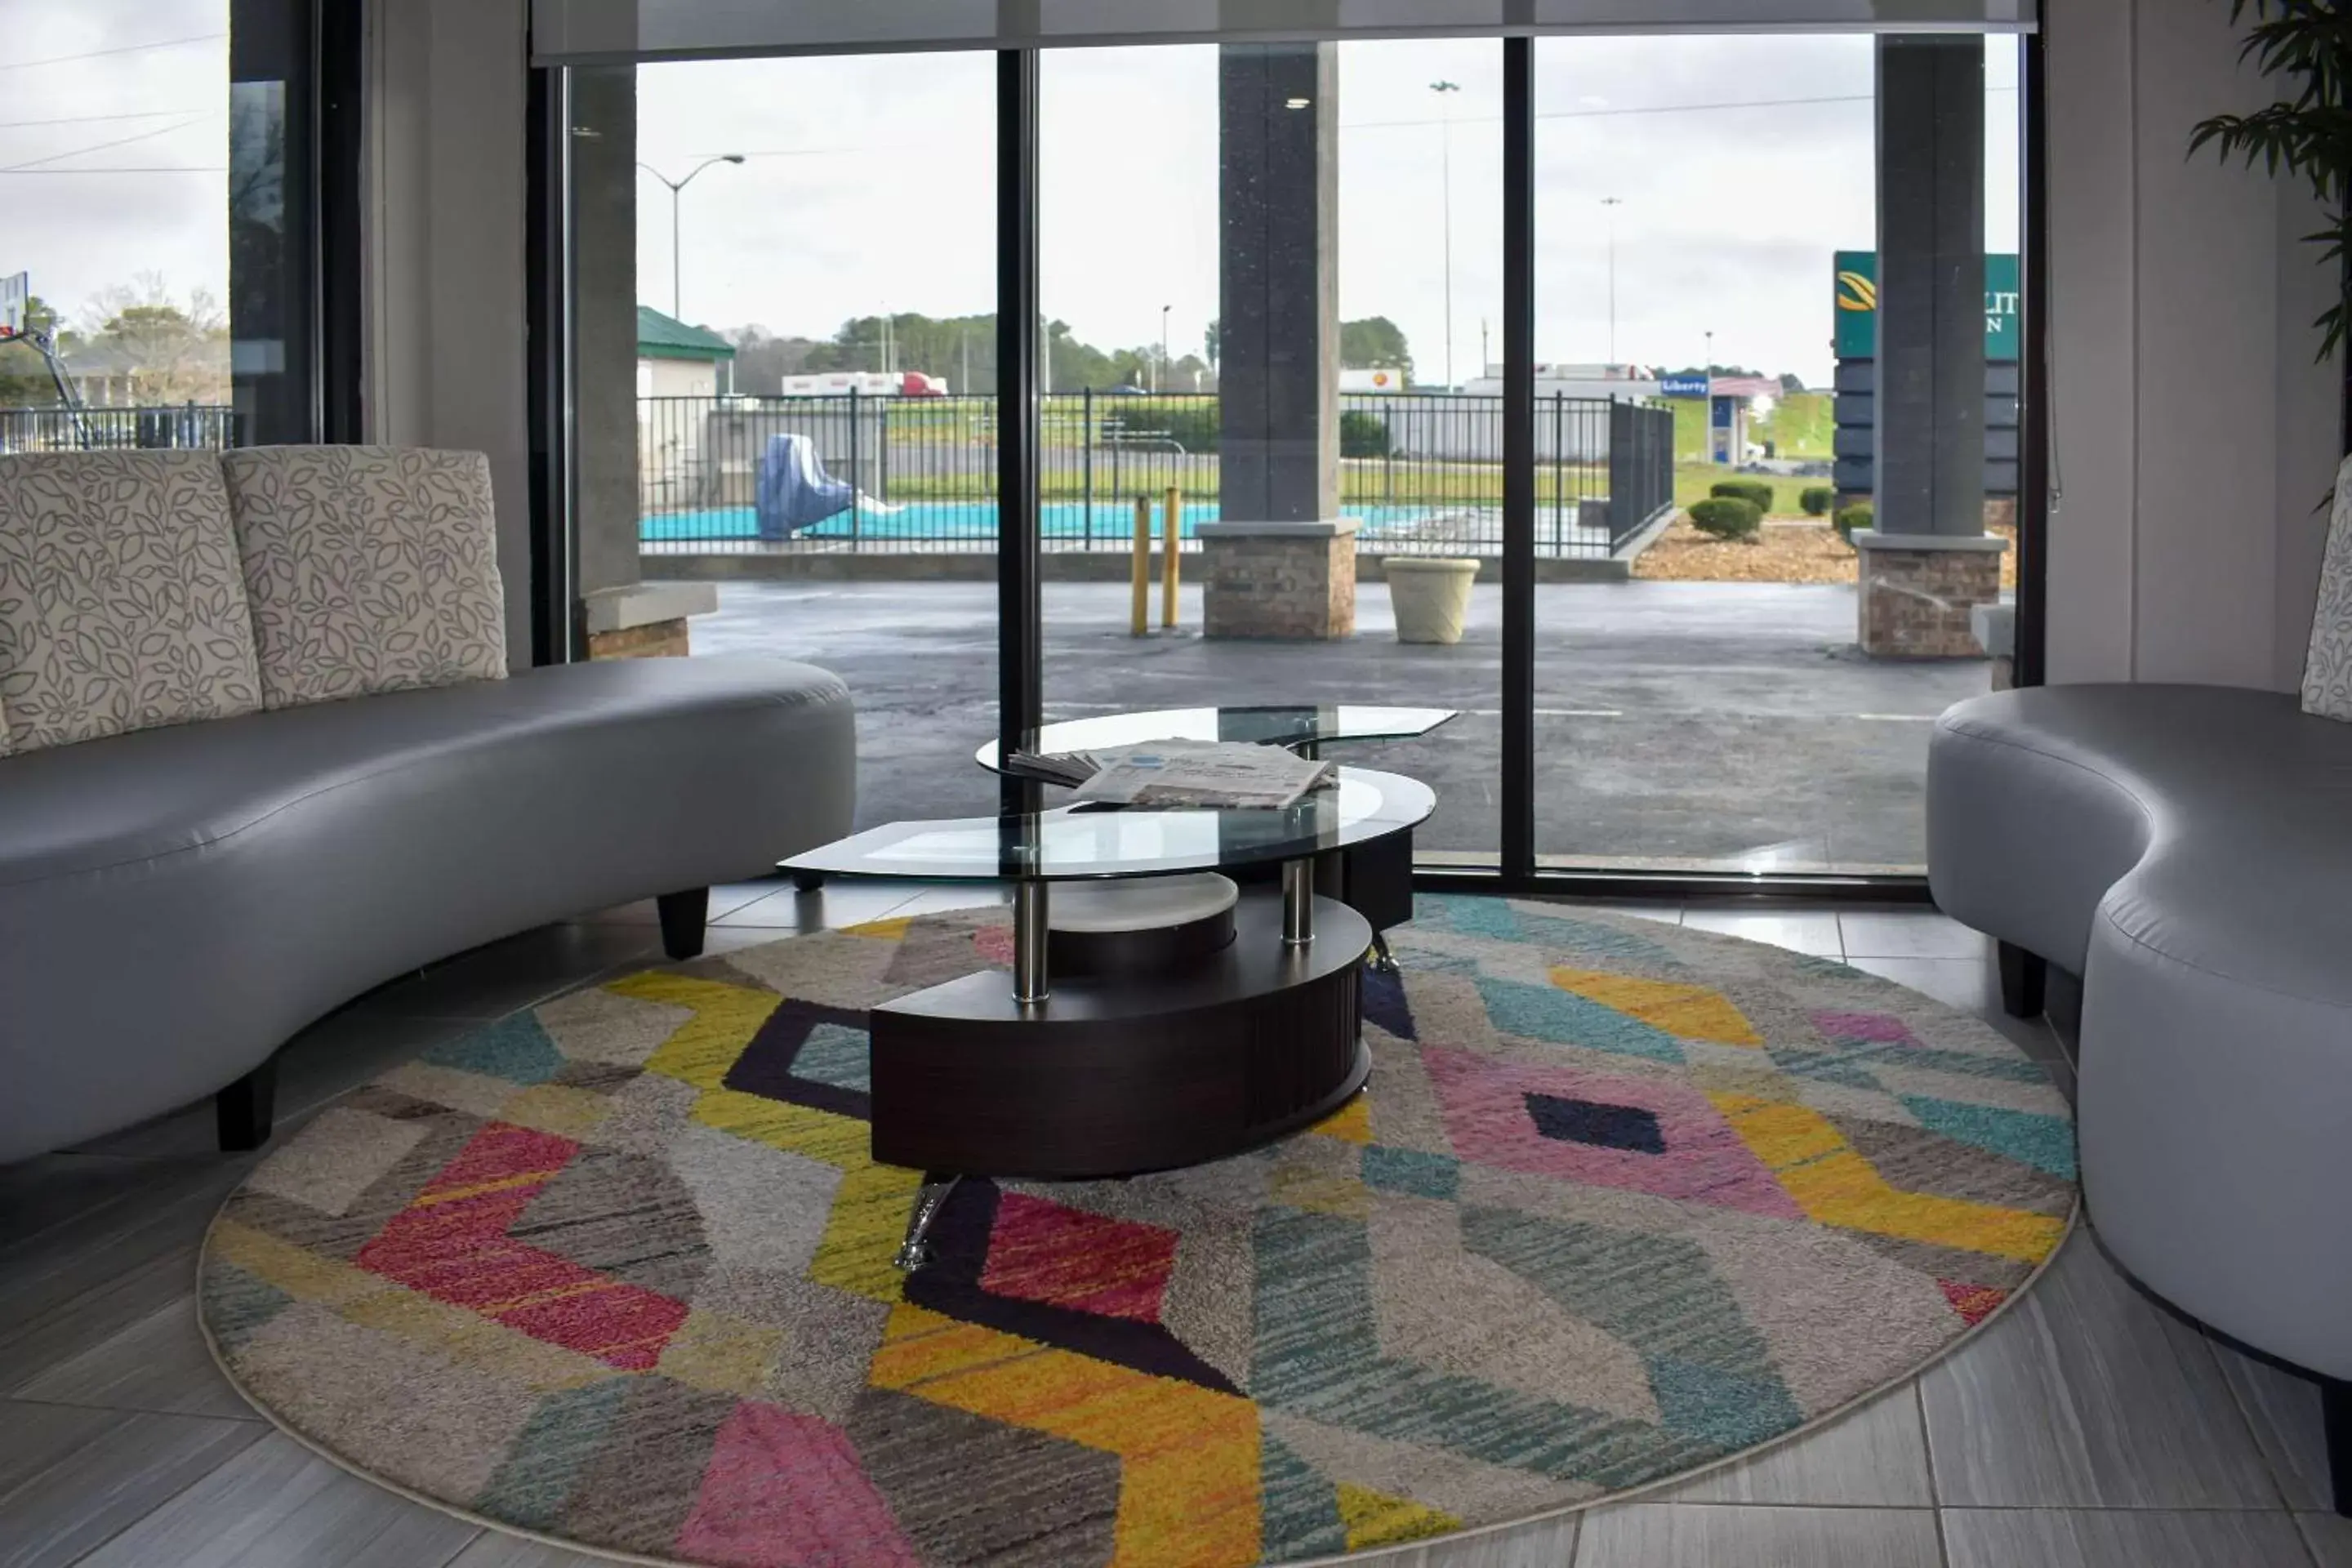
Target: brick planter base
[(1293, 580), (1917, 591)]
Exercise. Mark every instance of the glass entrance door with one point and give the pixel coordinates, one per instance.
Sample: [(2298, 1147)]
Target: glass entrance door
[(1271, 285), (1792, 263)]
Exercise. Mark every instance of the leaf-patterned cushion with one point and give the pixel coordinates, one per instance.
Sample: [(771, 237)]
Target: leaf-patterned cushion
[(370, 568), (122, 603), (2328, 673)]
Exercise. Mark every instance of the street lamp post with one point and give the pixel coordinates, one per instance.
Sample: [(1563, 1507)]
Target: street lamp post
[(1445, 219), (677, 250), (1612, 203), (1159, 373)]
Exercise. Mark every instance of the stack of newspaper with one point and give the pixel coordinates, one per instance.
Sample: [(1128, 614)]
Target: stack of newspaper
[(1214, 773)]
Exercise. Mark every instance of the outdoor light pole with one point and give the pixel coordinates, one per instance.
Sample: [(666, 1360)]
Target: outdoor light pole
[(1445, 219), (1612, 203), (677, 250), (1159, 375)]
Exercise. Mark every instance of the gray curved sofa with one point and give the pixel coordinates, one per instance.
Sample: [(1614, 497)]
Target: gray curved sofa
[(178, 899), (2187, 850)]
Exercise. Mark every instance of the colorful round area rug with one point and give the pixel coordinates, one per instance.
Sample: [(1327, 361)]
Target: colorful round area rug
[(1623, 1201)]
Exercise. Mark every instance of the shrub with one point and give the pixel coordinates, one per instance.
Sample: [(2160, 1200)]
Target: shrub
[(1755, 492), (1363, 433), (1861, 514), (1817, 499), (1728, 517)]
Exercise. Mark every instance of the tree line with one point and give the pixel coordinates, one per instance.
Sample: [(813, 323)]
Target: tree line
[(159, 350), (962, 349)]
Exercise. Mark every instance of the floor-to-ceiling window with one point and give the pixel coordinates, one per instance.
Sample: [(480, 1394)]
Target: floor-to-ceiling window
[(1799, 254), (158, 268), (784, 319), (1270, 286), (1272, 345)]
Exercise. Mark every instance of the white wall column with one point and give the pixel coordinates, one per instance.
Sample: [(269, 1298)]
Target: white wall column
[(2194, 432)]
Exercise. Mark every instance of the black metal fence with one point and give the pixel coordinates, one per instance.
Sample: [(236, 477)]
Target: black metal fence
[(211, 426), (1423, 472)]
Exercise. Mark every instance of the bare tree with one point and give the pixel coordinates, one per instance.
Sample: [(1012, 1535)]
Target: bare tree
[(164, 351)]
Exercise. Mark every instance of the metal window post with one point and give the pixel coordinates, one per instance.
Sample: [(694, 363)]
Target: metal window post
[(1019, 608), (1518, 757)]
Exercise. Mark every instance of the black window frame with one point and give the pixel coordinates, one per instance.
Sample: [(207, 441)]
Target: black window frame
[(1020, 644)]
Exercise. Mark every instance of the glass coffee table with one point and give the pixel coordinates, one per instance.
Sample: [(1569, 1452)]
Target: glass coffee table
[(1374, 879), (1302, 729), (1144, 1066)]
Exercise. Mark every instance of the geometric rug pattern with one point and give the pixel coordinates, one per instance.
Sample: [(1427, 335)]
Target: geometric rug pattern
[(1622, 1201)]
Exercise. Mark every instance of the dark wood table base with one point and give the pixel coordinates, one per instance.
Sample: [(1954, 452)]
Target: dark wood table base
[(1114, 1077)]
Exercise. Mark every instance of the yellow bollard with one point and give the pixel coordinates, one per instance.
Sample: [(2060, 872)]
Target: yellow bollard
[(1142, 622), (1171, 545)]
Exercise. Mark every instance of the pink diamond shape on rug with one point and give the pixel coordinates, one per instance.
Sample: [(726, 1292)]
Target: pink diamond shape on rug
[(1702, 1160), (995, 943), (1880, 1026), (1042, 1251), (786, 1491)]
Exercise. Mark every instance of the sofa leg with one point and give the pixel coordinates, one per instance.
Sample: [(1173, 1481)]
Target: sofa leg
[(245, 1109), (683, 916), (2024, 978), (2335, 1406), (808, 881)]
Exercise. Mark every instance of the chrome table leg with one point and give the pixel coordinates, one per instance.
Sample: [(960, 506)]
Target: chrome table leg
[(1030, 982), (1297, 903), (915, 1251)]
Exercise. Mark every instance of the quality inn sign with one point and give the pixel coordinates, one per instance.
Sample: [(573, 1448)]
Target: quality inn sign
[(1857, 306)]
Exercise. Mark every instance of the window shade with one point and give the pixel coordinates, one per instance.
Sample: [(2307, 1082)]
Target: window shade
[(607, 32)]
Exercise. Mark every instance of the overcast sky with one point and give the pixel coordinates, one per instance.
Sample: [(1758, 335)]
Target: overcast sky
[(115, 162), (1742, 163), (870, 186)]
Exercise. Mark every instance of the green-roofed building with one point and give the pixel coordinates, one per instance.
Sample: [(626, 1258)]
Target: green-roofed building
[(674, 360)]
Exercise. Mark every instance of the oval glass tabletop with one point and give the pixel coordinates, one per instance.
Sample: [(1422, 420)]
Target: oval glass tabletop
[(1074, 843), (1279, 726)]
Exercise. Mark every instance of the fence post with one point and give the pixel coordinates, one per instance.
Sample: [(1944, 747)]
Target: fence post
[(1139, 619), (1559, 468), (856, 524), (1086, 458)]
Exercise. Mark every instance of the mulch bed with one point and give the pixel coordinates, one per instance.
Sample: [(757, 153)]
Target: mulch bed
[(1790, 550)]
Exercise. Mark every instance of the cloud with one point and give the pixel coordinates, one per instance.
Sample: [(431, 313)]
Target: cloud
[(78, 231), (869, 183), (871, 187)]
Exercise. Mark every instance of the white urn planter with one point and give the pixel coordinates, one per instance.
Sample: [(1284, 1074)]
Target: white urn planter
[(1430, 594)]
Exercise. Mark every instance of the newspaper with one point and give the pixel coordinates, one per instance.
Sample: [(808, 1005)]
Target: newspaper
[(1210, 774)]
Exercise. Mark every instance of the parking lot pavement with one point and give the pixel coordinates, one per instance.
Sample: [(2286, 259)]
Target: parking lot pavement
[(1677, 723)]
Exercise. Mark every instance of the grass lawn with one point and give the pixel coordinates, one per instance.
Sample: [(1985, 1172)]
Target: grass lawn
[(1801, 426), (1695, 481), (1362, 483)]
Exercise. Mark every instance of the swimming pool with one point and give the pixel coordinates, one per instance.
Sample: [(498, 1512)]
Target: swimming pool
[(1104, 520)]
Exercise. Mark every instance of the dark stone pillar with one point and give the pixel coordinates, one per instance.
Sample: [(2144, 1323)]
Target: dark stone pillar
[(1278, 364), (1279, 562), (1931, 287), (1928, 562)]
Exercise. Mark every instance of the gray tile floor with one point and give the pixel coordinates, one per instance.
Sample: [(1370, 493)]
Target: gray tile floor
[(2084, 1429)]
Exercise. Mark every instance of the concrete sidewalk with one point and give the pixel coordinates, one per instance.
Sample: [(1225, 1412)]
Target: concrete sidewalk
[(1677, 723)]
